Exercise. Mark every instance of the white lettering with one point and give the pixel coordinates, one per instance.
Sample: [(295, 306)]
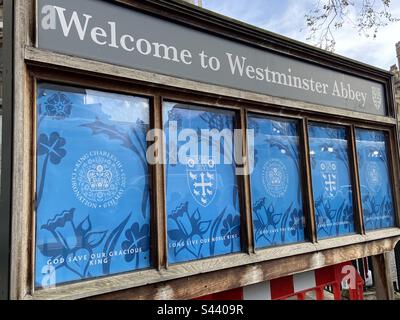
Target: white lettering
[(123, 42), (98, 32), (237, 64), (74, 21)]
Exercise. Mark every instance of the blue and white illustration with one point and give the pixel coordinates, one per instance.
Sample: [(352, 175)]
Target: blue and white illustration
[(202, 181), (331, 180), (276, 182), (92, 200), (376, 185), (203, 212)]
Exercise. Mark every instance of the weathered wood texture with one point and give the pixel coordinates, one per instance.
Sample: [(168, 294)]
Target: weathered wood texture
[(43, 57), (199, 285), (304, 255), (194, 278), (22, 207), (382, 280)]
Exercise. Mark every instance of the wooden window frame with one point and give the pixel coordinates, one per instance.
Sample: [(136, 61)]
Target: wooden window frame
[(393, 159), (160, 270), (31, 64), (307, 196), (357, 217)]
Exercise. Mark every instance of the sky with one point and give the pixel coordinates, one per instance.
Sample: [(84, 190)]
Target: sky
[(286, 17)]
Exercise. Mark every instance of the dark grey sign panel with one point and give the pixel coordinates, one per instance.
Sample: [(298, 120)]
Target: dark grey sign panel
[(110, 33)]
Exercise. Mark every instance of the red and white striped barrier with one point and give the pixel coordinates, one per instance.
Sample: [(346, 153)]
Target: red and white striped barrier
[(299, 284)]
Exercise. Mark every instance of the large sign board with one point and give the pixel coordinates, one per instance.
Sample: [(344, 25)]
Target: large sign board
[(111, 33)]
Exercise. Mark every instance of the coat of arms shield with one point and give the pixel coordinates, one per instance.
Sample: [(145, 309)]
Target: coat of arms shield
[(202, 181), (377, 97), (329, 176)]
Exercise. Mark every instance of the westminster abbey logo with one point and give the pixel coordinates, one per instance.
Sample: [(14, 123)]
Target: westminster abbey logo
[(329, 176), (202, 180), (377, 97), (98, 179)]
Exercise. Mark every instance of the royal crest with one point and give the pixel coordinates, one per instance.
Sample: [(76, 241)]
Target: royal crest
[(275, 178), (329, 176), (98, 179), (202, 181), (377, 97), (373, 177)]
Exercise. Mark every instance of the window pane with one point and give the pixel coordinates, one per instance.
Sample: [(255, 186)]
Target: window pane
[(331, 180), (376, 185), (276, 186), (203, 215), (92, 190)]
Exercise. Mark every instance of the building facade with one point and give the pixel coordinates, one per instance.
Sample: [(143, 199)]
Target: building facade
[(110, 190), (395, 257)]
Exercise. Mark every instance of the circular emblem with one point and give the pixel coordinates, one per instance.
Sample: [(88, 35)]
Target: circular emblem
[(98, 179), (373, 176), (275, 178)]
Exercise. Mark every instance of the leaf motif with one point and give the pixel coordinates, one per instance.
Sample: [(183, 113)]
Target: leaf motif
[(214, 230), (145, 200), (93, 239), (258, 225), (112, 240), (84, 227), (52, 249), (143, 239), (176, 235), (99, 127), (204, 226)]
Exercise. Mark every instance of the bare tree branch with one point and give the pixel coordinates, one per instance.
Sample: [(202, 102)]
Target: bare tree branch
[(327, 16)]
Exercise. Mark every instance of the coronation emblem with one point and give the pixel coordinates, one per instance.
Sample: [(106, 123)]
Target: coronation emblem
[(98, 179), (202, 181), (373, 176), (275, 178)]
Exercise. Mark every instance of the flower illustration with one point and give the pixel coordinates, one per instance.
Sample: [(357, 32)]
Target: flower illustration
[(187, 229), (137, 240), (58, 106), (69, 241), (296, 221), (52, 146), (266, 221), (230, 230)]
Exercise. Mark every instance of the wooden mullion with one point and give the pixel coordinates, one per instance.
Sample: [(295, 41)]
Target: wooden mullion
[(357, 201), (159, 228), (308, 195), (394, 167), (247, 214)]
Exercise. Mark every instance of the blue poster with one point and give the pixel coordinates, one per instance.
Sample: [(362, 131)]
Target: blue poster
[(92, 189), (376, 185), (203, 214), (276, 182), (331, 180)]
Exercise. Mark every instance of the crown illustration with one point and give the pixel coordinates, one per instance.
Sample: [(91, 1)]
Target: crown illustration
[(275, 176), (99, 179)]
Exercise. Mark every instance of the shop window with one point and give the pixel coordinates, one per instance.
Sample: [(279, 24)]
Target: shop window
[(331, 180), (92, 184), (202, 198), (276, 185), (375, 181)]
